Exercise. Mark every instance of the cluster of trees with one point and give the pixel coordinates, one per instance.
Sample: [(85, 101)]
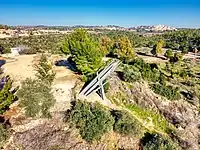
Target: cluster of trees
[(183, 39), (86, 51)]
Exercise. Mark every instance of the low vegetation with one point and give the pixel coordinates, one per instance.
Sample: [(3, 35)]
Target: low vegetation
[(7, 96), (4, 135), (159, 123), (35, 94), (170, 92), (36, 98), (154, 141), (138, 69), (126, 124), (92, 120), (34, 44)]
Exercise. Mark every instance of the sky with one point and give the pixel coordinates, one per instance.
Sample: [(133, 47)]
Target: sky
[(127, 13)]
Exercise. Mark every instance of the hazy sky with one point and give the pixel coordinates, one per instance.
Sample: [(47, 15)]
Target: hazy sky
[(178, 13)]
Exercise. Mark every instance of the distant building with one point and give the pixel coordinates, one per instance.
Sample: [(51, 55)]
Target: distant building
[(16, 50)]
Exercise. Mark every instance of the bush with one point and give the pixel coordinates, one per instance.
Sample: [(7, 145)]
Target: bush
[(170, 92), (4, 135), (36, 97), (125, 123), (7, 96), (169, 53), (44, 70), (177, 57), (139, 69), (92, 120), (157, 142), (131, 74)]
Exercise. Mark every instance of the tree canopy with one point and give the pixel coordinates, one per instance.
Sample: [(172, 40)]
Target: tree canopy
[(84, 50)]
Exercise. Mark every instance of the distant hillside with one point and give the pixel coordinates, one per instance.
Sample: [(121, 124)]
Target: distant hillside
[(155, 28)]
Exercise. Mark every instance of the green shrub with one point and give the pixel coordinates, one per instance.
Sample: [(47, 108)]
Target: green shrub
[(131, 74), (177, 57), (4, 135), (44, 70), (92, 120), (138, 69), (35, 94), (125, 123), (7, 96), (157, 142), (170, 92), (169, 53), (36, 97)]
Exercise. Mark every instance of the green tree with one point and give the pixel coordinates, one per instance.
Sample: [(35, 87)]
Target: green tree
[(84, 51), (169, 53), (7, 96), (125, 49), (157, 49), (44, 70), (106, 44)]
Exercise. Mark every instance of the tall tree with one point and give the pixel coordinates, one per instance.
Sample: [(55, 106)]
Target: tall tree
[(157, 49), (84, 50), (106, 44), (124, 49)]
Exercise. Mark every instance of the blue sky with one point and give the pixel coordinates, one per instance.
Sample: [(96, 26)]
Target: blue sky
[(178, 13)]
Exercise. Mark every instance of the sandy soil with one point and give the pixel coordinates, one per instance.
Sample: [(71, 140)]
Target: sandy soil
[(21, 67)]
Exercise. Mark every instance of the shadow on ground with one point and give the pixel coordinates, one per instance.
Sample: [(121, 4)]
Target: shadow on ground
[(145, 54), (66, 64)]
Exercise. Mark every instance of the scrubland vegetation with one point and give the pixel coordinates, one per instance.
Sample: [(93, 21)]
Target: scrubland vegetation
[(173, 80)]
